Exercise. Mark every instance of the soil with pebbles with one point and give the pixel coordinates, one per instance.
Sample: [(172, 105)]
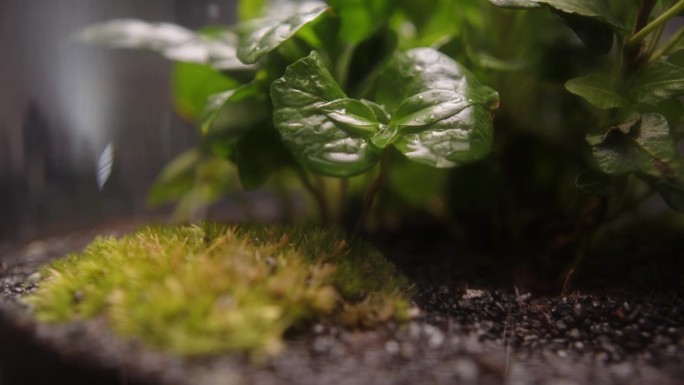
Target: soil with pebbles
[(455, 335)]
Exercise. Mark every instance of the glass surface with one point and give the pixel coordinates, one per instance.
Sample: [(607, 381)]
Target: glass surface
[(63, 102)]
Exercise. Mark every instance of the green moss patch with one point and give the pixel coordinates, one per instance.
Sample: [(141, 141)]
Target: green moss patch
[(207, 289)]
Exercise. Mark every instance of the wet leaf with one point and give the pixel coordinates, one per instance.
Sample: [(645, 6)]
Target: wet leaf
[(235, 111), (656, 83), (352, 116), (266, 34), (217, 49), (455, 125), (315, 139), (643, 147), (597, 89)]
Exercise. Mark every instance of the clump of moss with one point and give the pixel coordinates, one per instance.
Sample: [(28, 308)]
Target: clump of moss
[(210, 288)]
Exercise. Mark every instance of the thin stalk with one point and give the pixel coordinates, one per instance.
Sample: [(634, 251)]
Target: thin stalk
[(667, 47), (633, 54), (653, 43), (655, 24), (317, 194), (372, 192), (342, 199)]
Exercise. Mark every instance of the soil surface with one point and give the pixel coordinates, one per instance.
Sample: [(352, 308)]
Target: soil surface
[(460, 332)]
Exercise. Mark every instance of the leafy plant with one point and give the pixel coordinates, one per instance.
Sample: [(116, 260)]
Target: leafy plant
[(381, 95), (310, 94)]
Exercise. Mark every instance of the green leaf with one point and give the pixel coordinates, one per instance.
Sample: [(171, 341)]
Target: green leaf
[(515, 3), (378, 111), (455, 133), (314, 138), (217, 49), (643, 147), (672, 191), (594, 33), (592, 8), (352, 116), (267, 34), (429, 107), (360, 18), (597, 89), (595, 183), (235, 111), (194, 180), (259, 154), (656, 83), (193, 84), (250, 9)]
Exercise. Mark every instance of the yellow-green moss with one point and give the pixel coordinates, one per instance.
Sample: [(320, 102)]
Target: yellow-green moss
[(210, 288)]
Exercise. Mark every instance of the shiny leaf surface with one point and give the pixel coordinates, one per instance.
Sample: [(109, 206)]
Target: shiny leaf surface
[(454, 122), (267, 34), (314, 138)]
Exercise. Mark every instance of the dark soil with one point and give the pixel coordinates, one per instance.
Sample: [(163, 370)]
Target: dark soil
[(463, 330)]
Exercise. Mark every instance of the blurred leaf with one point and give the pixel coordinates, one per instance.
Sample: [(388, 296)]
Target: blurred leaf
[(597, 89), (598, 9), (644, 146), (250, 9), (266, 34), (235, 111), (656, 83), (515, 3), (259, 154), (595, 34), (133, 33), (313, 137), (176, 179), (416, 184), (192, 86), (595, 183), (672, 191), (360, 18), (194, 180), (351, 116), (217, 49), (454, 113)]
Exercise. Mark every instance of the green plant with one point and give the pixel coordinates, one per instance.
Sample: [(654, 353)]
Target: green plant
[(376, 95), (318, 93)]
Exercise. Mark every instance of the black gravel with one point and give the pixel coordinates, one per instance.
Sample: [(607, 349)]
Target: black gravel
[(455, 335)]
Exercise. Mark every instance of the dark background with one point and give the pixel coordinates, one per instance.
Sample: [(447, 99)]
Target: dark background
[(62, 102)]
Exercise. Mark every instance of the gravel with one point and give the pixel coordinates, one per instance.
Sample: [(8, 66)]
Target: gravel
[(455, 335)]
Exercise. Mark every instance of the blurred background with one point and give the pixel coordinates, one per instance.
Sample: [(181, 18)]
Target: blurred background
[(63, 102)]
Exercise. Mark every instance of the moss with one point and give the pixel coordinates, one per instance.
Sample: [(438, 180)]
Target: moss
[(209, 288)]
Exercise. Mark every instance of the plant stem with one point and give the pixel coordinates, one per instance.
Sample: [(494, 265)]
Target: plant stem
[(369, 198), (652, 26), (633, 52), (317, 194), (671, 43)]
